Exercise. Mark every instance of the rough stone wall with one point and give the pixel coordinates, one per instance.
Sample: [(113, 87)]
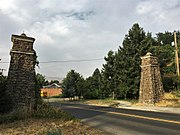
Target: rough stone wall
[(151, 88), (21, 75)]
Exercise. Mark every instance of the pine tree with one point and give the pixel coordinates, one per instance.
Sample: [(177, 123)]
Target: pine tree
[(108, 74), (135, 45), (93, 84), (72, 84)]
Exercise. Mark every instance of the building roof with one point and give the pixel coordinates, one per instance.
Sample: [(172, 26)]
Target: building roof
[(54, 85)]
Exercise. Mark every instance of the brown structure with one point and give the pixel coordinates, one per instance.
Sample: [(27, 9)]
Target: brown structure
[(51, 90), (21, 75), (151, 88)]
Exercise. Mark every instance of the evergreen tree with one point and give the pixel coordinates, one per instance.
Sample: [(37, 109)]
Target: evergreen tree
[(108, 74), (93, 85), (4, 100), (72, 85), (165, 38), (135, 45)]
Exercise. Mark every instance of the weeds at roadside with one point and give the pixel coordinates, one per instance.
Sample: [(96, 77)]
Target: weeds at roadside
[(44, 111)]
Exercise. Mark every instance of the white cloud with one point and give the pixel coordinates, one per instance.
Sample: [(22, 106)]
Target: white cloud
[(81, 29), (7, 6), (144, 7), (56, 5), (159, 15)]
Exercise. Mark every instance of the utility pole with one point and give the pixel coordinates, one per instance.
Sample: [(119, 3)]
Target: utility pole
[(176, 54)]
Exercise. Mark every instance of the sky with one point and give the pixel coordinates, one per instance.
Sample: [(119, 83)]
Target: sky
[(80, 29)]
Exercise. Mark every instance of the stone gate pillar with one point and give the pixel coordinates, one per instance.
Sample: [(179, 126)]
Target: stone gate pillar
[(21, 75), (151, 88)]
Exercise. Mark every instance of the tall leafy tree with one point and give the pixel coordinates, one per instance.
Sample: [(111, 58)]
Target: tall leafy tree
[(166, 56), (165, 38)]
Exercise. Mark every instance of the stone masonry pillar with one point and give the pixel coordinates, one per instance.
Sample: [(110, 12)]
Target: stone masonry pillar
[(21, 75), (151, 88)]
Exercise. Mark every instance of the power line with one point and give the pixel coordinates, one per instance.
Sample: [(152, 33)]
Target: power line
[(67, 61)]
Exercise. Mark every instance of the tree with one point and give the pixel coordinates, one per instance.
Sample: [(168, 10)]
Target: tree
[(93, 84), (72, 84), (39, 83), (54, 81), (166, 56), (40, 80), (128, 61), (165, 38), (4, 100), (108, 74)]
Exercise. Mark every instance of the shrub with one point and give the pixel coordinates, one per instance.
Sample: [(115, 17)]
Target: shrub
[(18, 114), (46, 111)]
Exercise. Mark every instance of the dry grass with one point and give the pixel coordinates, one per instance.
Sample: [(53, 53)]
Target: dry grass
[(45, 126), (169, 100)]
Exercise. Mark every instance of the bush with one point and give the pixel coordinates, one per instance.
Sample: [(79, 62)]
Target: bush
[(18, 114), (46, 111)]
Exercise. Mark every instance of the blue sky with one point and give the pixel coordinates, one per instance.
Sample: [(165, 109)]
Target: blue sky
[(80, 29)]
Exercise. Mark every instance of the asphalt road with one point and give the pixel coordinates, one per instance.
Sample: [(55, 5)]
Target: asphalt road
[(116, 121)]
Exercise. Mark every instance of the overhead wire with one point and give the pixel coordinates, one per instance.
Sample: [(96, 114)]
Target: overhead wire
[(67, 61)]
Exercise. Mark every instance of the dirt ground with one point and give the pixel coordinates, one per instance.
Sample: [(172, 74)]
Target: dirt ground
[(41, 126)]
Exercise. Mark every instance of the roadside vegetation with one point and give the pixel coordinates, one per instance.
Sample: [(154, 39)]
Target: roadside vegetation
[(119, 77), (46, 120), (171, 99), (44, 111)]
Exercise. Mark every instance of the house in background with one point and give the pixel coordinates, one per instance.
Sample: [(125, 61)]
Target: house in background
[(51, 90)]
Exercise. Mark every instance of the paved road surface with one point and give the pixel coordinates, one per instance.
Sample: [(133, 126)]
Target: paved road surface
[(116, 121)]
